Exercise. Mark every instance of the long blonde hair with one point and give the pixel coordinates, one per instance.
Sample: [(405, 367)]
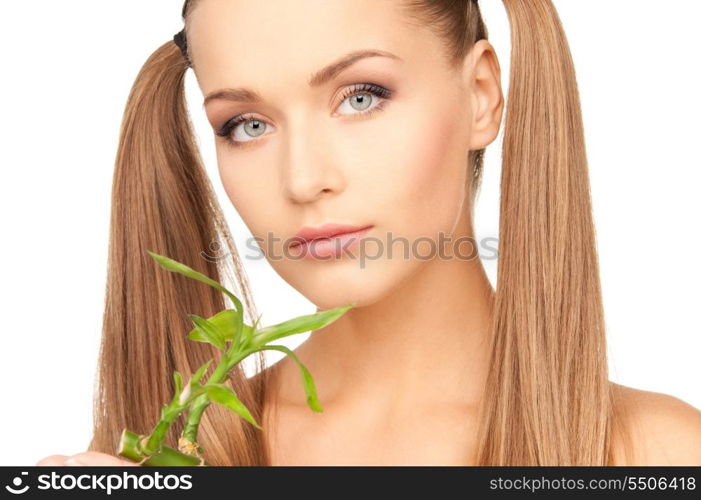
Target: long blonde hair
[(548, 400)]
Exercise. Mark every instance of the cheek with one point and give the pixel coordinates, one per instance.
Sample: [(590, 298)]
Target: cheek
[(246, 192), (231, 181), (424, 172)]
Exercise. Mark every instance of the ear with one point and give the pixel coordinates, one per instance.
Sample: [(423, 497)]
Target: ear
[(482, 76)]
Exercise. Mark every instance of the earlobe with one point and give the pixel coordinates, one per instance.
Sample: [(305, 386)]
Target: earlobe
[(483, 76)]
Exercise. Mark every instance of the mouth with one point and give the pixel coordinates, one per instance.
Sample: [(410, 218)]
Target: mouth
[(330, 244), (307, 235)]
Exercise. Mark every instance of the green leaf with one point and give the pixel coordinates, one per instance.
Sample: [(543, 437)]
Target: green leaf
[(178, 267), (224, 395), (255, 325), (225, 322), (209, 332), (309, 386), (178, 383), (248, 332), (191, 391), (300, 324), (200, 371)]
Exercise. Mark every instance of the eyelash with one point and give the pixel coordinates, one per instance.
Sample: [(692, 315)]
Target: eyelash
[(382, 93)]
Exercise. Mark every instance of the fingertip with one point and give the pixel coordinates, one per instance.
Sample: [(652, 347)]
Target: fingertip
[(52, 460)]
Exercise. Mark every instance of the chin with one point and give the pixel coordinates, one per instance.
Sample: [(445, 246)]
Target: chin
[(331, 296), (329, 289)]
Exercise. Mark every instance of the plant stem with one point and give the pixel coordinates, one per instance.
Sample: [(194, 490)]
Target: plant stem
[(130, 447), (200, 404), (168, 415), (151, 446), (149, 450)]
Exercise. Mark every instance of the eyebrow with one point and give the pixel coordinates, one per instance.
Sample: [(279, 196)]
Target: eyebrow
[(317, 79)]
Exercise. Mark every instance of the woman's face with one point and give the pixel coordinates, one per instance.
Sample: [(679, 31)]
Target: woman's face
[(381, 141)]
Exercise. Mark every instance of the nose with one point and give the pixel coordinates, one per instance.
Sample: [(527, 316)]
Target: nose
[(309, 167)]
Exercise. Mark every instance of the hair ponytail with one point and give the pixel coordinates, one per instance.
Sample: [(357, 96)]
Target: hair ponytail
[(162, 201), (548, 400)]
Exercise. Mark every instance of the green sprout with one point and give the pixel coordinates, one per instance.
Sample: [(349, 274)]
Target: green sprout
[(227, 332)]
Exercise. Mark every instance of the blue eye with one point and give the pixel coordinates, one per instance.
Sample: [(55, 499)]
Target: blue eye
[(252, 127), (359, 97)]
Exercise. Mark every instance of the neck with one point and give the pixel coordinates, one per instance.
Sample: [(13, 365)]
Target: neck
[(425, 343)]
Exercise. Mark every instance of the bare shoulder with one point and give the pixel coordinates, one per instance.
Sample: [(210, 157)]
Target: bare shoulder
[(661, 429)]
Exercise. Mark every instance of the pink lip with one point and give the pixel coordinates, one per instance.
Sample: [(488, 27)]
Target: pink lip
[(307, 233), (325, 247)]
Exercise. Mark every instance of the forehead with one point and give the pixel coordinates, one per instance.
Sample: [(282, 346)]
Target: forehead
[(258, 42)]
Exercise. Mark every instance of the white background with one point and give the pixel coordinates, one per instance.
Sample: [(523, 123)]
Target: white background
[(67, 68)]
